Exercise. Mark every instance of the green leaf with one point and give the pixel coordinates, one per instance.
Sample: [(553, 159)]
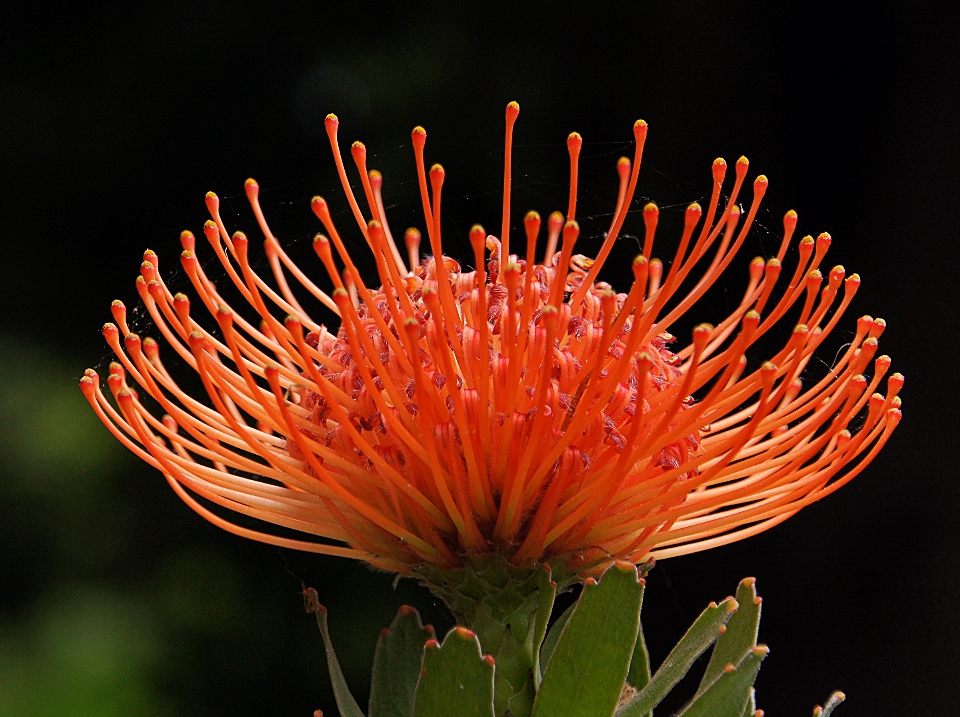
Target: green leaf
[(588, 667), (740, 635), (639, 674), (697, 639), (455, 678), (396, 665), (345, 702), (547, 594), (729, 694), (550, 643), (831, 704), (751, 709)]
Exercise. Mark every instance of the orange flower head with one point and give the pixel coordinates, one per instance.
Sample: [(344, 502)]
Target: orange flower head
[(522, 409)]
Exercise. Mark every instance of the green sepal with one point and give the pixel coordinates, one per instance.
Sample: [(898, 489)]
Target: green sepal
[(396, 665), (501, 603), (751, 709), (547, 594), (341, 692), (639, 674), (740, 635), (553, 636), (694, 643), (589, 665), (455, 679), (830, 705), (729, 694)]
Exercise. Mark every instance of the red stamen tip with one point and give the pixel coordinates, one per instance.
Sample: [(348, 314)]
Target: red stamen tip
[(213, 202), (376, 179), (252, 189), (418, 137), (320, 208), (412, 237), (478, 236), (187, 240), (151, 348), (574, 142), (701, 334), (88, 385), (331, 122), (341, 297), (719, 170), (513, 110)]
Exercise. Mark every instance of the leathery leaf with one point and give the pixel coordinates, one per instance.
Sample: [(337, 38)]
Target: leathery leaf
[(548, 593), (639, 674), (553, 636), (740, 634), (588, 667), (341, 692), (697, 639), (396, 665), (729, 694), (831, 704), (455, 679)]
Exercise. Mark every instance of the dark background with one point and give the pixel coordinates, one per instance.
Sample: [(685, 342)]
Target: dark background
[(118, 600)]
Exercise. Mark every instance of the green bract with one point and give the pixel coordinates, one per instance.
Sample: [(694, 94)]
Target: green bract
[(592, 662)]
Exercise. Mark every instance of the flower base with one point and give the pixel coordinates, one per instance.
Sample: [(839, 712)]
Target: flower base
[(508, 607), (594, 660)]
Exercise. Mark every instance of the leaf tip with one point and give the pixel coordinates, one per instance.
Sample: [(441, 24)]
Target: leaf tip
[(464, 633)]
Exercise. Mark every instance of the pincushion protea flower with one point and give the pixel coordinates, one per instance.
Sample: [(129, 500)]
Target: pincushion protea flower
[(520, 409)]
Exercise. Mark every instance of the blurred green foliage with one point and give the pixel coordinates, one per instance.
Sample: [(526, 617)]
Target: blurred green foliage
[(118, 600)]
